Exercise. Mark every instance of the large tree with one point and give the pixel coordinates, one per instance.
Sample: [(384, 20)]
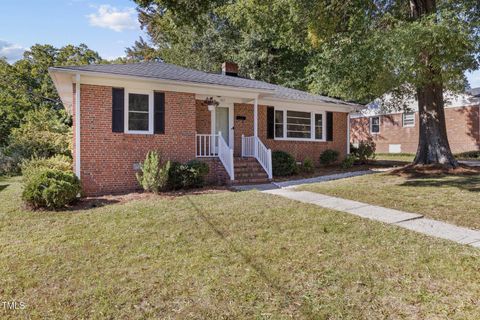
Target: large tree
[(26, 85), (410, 48), (266, 39)]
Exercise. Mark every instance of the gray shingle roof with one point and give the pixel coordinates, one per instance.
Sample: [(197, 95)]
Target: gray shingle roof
[(474, 92), (161, 70)]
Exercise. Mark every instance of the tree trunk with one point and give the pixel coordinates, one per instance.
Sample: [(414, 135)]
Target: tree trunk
[(433, 147)]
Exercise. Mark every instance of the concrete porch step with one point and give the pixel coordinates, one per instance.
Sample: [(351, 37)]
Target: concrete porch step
[(249, 181)]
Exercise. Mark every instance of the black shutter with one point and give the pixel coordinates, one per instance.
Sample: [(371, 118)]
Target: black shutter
[(270, 122), (329, 126), (118, 106), (159, 112)]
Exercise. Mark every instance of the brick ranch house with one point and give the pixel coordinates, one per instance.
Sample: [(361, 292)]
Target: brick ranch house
[(122, 111), (398, 132)]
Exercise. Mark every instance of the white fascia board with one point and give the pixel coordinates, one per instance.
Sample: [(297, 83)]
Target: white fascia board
[(309, 106), (109, 79), (64, 85)]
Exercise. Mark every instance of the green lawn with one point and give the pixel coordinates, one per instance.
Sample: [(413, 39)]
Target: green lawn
[(408, 157), (226, 255), (404, 157), (454, 199)]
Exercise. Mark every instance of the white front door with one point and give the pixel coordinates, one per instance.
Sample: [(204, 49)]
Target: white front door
[(222, 123)]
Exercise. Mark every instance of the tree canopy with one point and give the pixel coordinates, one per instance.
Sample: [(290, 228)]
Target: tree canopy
[(26, 85)]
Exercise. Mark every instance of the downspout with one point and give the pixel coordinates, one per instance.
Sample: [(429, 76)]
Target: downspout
[(77, 125)]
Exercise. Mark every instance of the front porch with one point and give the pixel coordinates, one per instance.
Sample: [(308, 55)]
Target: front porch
[(227, 129)]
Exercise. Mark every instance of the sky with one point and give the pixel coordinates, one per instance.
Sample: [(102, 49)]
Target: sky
[(106, 26)]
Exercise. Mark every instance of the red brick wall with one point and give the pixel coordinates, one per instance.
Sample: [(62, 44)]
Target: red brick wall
[(462, 129), (107, 158), (203, 118), (299, 149)]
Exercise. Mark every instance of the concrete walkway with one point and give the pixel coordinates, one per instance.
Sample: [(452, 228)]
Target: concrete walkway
[(412, 221), (294, 183), (471, 163)]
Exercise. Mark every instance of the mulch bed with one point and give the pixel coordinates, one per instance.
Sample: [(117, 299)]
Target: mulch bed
[(100, 201)]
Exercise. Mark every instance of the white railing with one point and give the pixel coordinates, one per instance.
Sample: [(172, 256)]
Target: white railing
[(225, 153), (206, 145), (248, 146), (254, 147)]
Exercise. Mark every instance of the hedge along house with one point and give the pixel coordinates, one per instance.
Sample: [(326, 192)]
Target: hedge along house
[(122, 111), (396, 132)]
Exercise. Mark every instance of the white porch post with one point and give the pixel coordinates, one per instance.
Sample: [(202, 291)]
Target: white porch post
[(348, 133), (255, 127), (77, 125), (255, 118)]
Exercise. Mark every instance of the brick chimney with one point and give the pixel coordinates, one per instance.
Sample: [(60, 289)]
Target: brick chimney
[(230, 69)]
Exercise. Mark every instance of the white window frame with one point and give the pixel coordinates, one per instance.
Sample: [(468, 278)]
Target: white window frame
[(150, 111), (371, 125), (403, 120), (312, 125)]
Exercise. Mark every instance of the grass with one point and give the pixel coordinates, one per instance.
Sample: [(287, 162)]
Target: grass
[(403, 157), (226, 255), (451, 198), (408, 157)]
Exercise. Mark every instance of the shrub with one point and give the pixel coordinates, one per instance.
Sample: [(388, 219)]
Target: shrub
[(469, 155), (199, 170), (42, 134), (364, 151), (153, 176), (59, 162), (328, 157), (283, 163), (189, 175), (51, 188), (308, 166), (348, 162)]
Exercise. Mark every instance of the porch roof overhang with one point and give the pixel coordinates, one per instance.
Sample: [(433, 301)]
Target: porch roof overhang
[(64, 79)]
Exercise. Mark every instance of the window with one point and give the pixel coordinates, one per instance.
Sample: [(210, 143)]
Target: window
[(375, 124), (139, 117), (318, 126), (278, 123), (299, 125), (408, 119)]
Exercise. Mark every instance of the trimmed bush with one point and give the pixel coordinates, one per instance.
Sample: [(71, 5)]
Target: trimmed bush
[(51, 189), (189, 175), (198, 171), (155, 177), (283, 163), (328, 157), (348, 162), (308, 166), (364, 151), (59, 162), (152, 176), (469, 155)]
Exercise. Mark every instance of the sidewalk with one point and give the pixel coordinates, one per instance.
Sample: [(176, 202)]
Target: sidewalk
[(412, 221)]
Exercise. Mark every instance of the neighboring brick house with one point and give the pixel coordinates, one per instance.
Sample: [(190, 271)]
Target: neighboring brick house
[(122, 111), (398, 132)]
